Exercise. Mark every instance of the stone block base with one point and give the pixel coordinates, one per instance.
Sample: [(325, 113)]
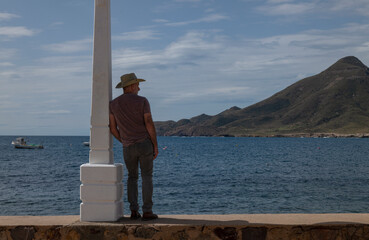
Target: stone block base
[(101, 192), (101, 173), (101, 211)]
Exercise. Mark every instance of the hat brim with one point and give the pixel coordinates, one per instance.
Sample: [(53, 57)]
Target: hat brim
[(120, 85)]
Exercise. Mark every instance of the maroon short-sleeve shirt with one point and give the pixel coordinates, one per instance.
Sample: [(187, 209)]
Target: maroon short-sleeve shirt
[(128, 110)]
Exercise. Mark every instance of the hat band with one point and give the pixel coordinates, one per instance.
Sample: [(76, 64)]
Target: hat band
[(130, 82)]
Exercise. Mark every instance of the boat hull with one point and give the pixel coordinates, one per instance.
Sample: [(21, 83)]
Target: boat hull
[(28, 146)]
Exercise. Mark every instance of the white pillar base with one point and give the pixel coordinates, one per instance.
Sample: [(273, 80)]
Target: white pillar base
[(101, 192), (101, 212)]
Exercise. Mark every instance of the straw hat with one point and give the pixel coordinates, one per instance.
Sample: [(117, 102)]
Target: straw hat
[(128, 79)]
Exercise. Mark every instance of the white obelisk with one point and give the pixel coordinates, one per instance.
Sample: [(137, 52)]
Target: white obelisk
[(101, 189)]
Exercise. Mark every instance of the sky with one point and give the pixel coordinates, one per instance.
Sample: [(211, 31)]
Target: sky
[(198, 56)]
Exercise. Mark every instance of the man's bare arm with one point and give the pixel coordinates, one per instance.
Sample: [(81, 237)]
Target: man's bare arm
[(113, 127), (149, 123)]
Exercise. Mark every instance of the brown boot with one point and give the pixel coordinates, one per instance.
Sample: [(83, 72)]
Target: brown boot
[(135, 215), (149, 216)]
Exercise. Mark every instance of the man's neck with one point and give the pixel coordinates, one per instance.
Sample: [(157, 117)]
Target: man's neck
[(129, 92)]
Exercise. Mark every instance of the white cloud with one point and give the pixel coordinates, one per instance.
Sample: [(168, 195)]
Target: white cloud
[(137, 35), (193, 44), (207, 19), (7, 74), (58, 112), (364, 47), (293, 7), (187, 0), (53, 112), (279, 1), (7, 53), (356, 6), (47, 78), (184, 51), (207, 93), (209, 10), (7, 105), (338, 5), (13, 32), (282, 8), (70, 46), (160, 20), (7, 16), (6, 64), (56, 23)]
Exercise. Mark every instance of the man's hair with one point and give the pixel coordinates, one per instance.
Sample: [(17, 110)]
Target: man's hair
[(126, 87)]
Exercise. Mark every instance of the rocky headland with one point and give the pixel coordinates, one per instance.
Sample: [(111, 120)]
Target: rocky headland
[(333, 103)]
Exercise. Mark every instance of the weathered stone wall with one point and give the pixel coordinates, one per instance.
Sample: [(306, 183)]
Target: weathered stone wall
[(184, 232)]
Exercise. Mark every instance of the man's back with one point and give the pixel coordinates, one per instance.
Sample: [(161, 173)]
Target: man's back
[(131, 123), (129, 110)]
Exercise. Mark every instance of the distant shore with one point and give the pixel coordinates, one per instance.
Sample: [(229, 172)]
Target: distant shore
[(290, 135), (311, 135)]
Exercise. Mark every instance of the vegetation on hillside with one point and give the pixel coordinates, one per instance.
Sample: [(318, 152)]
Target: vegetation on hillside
[(333, 101)]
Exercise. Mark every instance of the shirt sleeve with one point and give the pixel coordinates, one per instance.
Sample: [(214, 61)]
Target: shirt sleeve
[(147, 106)]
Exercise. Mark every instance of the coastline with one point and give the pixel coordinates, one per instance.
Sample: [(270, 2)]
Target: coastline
[(284, 135), (312, 135)]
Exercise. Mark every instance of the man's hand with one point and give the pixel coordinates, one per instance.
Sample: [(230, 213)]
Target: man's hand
[(156, 152), (150, 127)]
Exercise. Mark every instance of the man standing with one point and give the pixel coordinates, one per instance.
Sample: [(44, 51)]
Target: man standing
[(131, 123)]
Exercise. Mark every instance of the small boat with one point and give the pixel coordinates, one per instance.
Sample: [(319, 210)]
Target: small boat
[(86, 143), (21, 143)]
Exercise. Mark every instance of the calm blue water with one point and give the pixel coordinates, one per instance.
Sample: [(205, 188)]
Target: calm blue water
[(200, 175)]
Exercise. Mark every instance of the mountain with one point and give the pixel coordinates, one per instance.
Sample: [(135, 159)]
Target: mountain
[(333, 101)]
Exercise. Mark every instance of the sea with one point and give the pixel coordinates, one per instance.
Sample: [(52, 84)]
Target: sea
[(199, 175)]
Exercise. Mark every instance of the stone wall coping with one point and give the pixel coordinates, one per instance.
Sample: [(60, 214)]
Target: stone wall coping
[(208, 220)]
